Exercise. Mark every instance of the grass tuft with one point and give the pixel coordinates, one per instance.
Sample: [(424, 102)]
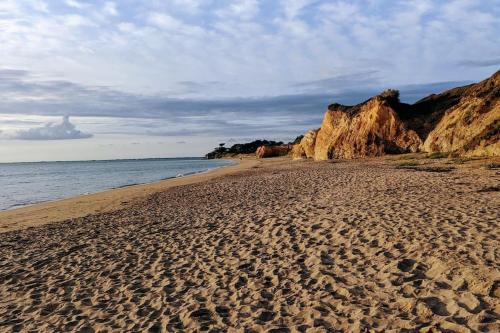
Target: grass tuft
[(438, 154), (408, 164), (462, 160)]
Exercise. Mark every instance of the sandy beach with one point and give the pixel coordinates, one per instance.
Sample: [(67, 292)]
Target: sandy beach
[(38, 214), (266, 246)]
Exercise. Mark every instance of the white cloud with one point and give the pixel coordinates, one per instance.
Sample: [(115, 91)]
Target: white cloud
[(76, 4), (256, 47), (291, 23), (127, 27), (173, 25), (41, 6), (9, 7), (339, 11), (292, 8), (110, 9), (190, 6), (50, 131), (74, 20), (242, 9), (165, 21)]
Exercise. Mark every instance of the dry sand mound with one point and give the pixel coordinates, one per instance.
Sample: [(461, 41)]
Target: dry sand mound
[(291, 247)]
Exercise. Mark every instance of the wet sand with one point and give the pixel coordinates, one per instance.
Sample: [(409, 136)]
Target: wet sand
[(282, 246)]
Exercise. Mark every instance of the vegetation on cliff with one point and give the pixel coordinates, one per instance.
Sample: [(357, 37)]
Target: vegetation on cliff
[(240, 148)]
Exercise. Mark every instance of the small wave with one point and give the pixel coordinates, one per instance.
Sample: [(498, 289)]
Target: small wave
[(193, 172), (23, 204), (127, 185)]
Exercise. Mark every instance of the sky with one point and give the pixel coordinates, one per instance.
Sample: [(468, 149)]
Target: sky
[(132, 79)]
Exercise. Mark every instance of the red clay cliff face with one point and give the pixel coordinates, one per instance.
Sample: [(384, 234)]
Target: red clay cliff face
[(463, 121), (272, 151)]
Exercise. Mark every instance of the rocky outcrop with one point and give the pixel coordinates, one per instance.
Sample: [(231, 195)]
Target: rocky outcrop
[(305, 148), (297, 152), (471, 126), (462, 121), (273, 151), (372, 128)]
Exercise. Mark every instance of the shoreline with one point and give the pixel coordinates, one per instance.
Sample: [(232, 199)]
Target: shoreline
[(188, 174), (41, 213), (59, 210)]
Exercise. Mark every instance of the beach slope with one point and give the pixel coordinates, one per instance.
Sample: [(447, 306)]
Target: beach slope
[(281, 246), (105, 201)]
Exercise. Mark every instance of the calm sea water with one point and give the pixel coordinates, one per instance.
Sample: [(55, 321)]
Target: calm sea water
[(28, 183)]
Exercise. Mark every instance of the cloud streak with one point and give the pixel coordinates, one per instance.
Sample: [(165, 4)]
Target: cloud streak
[(480, 63), (284, 115), (50, 131)]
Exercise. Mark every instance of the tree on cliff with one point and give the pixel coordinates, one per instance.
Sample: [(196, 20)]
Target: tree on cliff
[(297, 140), (391, 94), (240, 148)]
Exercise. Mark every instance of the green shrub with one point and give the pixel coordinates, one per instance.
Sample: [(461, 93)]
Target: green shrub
[(408, 164), (297, 140), (391, 94), (240, 148), (438, 154), (462, 160)]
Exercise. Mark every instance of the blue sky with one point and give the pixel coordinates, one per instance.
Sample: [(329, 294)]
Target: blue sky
[(173, 78)]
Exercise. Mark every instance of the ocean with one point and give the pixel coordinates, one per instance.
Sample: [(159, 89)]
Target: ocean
[(23, 184)]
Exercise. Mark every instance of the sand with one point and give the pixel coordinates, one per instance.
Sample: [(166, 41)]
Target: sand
[(283, 246), (105, 201)]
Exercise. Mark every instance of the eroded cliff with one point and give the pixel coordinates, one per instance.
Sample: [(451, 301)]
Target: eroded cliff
[(461, 121), (372, 128), (471, 126)]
